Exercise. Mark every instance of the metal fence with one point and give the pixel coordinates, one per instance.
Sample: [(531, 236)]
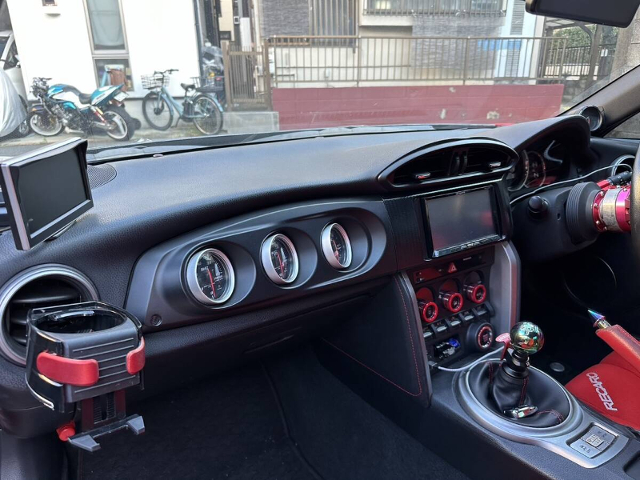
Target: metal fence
[(354, 60), (436, 7), (247, 78), (575, 61)]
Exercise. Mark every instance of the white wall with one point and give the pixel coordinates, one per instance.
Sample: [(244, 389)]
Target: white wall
[(161, 35), (55, 46), (225, 20)]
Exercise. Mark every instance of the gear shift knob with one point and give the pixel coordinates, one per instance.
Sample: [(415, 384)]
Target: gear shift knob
[(526, 338)]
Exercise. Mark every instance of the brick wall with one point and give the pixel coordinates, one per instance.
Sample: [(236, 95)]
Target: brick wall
[(328, 107)]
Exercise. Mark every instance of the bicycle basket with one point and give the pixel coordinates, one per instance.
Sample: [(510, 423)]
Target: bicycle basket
[(154, 81), (209, 84)]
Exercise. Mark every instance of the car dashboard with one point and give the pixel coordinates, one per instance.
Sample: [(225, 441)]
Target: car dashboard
[(227, 254)]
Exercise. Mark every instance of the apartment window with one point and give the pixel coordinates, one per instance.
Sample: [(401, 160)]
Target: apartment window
[(435, 7), (109, 43), (105, 19), (333, 17), (517, 18)]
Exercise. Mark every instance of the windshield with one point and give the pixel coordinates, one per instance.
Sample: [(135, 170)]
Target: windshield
[(118, 75)]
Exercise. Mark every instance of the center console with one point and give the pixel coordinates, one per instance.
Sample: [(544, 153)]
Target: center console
[(453, 287), (455, 307)]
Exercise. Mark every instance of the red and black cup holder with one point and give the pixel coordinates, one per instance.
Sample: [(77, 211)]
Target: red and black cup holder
[(82, 351), (78, 352)]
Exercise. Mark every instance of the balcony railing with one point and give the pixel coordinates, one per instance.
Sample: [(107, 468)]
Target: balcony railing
[(436, 7), (356, 61)]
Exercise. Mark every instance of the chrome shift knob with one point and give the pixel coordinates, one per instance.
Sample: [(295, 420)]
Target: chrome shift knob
[(526, 337)]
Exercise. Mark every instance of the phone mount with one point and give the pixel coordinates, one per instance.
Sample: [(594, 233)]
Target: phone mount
[(80, 358)]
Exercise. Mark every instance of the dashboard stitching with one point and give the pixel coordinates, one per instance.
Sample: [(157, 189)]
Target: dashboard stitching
[(412, 349)]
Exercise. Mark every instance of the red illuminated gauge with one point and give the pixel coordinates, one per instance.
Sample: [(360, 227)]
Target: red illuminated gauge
[(428, 311), (476, 293), (452, 301)]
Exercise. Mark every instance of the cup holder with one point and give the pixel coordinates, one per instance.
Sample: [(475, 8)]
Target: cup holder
[(80, 360), (79, 322), (81, 351)]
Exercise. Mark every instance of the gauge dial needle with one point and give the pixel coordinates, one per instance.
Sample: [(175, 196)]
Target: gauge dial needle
[(335, 250), (281, 264), (213, 286)]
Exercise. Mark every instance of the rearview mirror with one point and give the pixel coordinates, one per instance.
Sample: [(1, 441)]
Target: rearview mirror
[(617, 13)]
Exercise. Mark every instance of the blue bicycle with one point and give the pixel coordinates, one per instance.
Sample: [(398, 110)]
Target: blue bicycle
[(199, 105)]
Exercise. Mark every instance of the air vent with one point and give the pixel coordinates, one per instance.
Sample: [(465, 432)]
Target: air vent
[(450, 162), (483, 160), (43, 286)]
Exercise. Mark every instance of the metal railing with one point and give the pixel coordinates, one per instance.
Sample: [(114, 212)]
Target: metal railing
[(247, 78), (355, 60), (435, 7), (576, 61)]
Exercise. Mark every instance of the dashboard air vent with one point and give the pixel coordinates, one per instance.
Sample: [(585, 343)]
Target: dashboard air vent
[(450, 162), (46, 286)]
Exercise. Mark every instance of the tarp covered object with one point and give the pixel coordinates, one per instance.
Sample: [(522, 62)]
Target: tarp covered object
[(12, 111)]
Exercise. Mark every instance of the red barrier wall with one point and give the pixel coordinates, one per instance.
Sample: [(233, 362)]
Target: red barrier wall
[(329, 107)]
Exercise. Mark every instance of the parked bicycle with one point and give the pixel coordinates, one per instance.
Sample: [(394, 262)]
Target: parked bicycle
[(199, 106)]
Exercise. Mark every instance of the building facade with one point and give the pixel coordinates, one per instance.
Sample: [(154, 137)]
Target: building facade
[(79, 42)]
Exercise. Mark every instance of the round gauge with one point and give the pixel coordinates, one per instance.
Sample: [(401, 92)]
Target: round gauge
[(537, 170), (336, 246), (280, 259), (210, 276), (594, 116), (517, 176)]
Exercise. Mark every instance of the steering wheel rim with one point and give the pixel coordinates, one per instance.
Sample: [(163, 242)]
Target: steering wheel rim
[(634, 206)]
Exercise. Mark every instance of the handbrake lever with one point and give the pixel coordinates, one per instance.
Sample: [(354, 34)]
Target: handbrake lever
[(621, 341)]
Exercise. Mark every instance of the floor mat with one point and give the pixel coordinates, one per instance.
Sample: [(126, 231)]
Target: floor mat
[(226, 428), (341, 435)]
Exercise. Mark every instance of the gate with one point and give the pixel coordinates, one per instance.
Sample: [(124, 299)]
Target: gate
[(247, 78)]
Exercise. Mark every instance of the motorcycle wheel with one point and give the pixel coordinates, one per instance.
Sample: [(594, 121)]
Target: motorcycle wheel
[(207, 115), (123, 123), (156, 111), (44, 124)]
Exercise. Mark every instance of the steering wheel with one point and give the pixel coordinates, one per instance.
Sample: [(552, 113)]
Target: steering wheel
[(635, 205)]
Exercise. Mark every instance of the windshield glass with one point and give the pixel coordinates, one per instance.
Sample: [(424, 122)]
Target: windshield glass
[(118, 75)]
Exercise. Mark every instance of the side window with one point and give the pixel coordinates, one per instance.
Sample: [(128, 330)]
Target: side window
[(12, 57), (630, 128)]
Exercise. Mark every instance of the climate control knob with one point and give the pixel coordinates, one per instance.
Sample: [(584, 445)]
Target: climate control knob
[(480, 336), (452, 301), (428, 311), (476, 293)]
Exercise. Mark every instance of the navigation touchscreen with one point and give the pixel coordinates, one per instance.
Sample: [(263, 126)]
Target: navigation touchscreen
[(461, 221)]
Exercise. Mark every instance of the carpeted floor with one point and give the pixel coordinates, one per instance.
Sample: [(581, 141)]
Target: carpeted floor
[(229, 427), (288, 420)]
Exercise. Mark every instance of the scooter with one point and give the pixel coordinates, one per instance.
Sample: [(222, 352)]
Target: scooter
[(63, 105)]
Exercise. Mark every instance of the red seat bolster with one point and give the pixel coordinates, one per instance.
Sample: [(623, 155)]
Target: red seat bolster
[(611, 390)]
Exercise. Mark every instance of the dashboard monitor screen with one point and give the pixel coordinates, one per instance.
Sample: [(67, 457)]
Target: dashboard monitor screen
[(45, 190), (456, 221)]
